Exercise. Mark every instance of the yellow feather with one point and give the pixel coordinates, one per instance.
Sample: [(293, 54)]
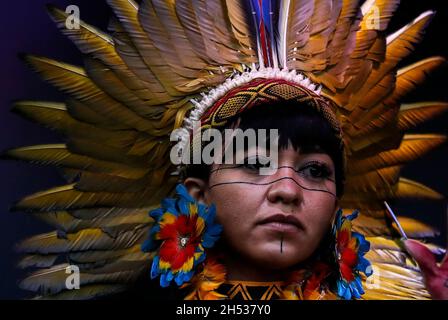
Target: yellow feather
[(63, 220), (413, 146), (74, 81), (94, 149), (414, 114), (371, 226), (56, 116), (240, 24), (217, 12), (93, 291), (404, 189), (385, 111), (313, 56), (416, 229), (347, 19), (411, 189), (83, 240), (113, 85), (155, 65), (374, 182), (99, 45), (84, 113), (58, 155), (37, 261), (162, 44), (399, 46), (66, 197), (98, 257), (53, 280)]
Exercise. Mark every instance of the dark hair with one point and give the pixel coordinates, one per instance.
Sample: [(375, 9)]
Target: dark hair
[(301, 125)]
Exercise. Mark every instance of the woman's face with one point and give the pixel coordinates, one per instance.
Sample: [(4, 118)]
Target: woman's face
[(276, 220)]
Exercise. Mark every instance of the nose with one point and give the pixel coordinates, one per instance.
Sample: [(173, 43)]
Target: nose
[(285, 189)]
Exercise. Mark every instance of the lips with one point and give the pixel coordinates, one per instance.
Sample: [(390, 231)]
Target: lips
[(282, 222)]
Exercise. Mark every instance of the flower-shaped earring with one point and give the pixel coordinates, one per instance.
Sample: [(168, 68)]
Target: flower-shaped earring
[(350, 248), (182, 229)]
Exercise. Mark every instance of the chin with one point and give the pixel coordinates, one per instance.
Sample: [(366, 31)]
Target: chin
[(271, 257)]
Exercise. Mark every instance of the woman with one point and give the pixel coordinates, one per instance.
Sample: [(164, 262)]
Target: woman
[(265, 208), (274, 223), (321, 72)]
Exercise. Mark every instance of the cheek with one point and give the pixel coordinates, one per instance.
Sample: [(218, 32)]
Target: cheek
[(318, 214), (236, 207)]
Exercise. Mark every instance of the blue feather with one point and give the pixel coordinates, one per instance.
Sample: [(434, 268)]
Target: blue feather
[(155, 267)]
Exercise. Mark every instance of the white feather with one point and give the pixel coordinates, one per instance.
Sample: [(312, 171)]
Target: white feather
[(282, 30), (396, 34)]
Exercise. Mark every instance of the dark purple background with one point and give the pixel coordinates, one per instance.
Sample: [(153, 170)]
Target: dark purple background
[(25, 27)]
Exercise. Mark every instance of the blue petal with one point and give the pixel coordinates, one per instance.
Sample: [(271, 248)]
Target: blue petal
[(164, 281), (184, 207), (353, 215), (208, 240), (211, 234), (363, 265), (354, 290), (347, 294), (338, 220), (180, 278), (155, 267), (169, 276), (169, 205), (155, 228), (200, 259), (156, 213), (341, 288), (344, 290), (214, 229), (363, 244), (189, 275), (182, 191), (358, 284), (354, 293), (148, 245), (211, 214), (202, 211)]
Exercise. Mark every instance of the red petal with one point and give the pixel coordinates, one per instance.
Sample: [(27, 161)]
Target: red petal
[(182, 256), (346, 272), (168, 231), (168, 250), (349, 257), (186, 225), (342, 239)]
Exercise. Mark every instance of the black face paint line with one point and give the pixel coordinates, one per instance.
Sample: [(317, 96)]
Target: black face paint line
[(282, 167), (271, 182), (281, 243)]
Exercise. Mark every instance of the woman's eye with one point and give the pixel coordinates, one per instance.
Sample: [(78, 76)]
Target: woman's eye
[(316, 171)]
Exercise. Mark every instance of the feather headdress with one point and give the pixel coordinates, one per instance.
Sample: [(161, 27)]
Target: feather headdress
[(154, 68)]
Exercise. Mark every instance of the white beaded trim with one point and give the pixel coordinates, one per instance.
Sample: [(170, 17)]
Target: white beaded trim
[(237, 80)]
